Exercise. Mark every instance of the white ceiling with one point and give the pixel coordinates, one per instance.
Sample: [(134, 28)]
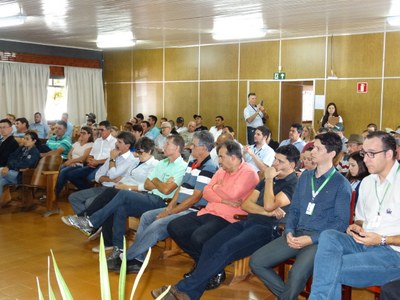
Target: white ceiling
[(159, 23)]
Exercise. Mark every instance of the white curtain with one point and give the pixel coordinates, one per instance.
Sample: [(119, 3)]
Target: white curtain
[(85, 94), (23, 89)]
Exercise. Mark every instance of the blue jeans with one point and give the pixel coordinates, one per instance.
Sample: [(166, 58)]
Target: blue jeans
[(62, 178), (125, 204), (264, 260), (81, 200), (10, 178), (82, 177), (149, 232), (234, 242), (340, 260)]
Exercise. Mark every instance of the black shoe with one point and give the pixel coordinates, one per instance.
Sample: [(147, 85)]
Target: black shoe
[(133, 266), (216, 281), (188, 274), (114, 265)]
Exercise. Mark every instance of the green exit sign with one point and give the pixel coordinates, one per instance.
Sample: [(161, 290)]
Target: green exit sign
[(279, 75)]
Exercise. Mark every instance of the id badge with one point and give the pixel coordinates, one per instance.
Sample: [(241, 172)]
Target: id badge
[(310, 208), (376, 222)]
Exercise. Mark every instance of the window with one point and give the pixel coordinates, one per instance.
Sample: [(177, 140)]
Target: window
[(56, 102)]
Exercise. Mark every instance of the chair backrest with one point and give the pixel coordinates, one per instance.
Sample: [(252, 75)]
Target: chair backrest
[(47, 163)]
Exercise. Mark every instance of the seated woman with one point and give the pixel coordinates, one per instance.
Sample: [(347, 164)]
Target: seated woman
[(306, 161), (76, 156), (308, 136), (357, 171), (26, 156), (330, 114)]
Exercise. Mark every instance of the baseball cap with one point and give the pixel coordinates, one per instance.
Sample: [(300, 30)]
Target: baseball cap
[(91, 116), (179, 120)]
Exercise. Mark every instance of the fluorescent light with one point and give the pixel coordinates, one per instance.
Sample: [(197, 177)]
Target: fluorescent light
[(239, 27), (115, 40), (12, 21), (393, 20)]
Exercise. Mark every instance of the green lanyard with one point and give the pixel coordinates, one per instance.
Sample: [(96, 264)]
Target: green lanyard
[(380, 201), (315, 193)]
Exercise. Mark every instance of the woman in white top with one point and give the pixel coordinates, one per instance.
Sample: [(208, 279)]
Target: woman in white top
[(76, 157), (331, 111)]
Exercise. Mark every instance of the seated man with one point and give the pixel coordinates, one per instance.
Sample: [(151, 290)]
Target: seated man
[(265, 205), (8, 143), (120, 161), (225, 193), (40, 126), (22, 125), (259, 155), (354, 144), (100, 152), (369, 252), (161, 139), (217, 129), (321, 201), (153, 224), (160, 184), (59, 143), (294, 137)]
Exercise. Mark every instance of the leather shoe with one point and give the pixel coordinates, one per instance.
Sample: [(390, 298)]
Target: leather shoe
[(173, 293), (216, 281), (188, 274)]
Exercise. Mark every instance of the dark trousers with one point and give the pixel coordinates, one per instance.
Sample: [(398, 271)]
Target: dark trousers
[(391, 290), (190, 231), (82, 178)]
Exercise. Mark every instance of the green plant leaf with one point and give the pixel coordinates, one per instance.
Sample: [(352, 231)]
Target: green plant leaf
[(51, 292), (40, 294), (104, 282), (141, 271), (65, 293), (122, 275)]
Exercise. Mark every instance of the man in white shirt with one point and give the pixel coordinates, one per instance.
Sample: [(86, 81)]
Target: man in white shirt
[(259, 155), (368, 253), (254, 116), (294, 137), (217, 129), (180, 125), (100, 152)]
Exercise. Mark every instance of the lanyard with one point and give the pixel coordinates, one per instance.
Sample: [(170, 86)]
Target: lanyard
[(380, 201), (315, 193)]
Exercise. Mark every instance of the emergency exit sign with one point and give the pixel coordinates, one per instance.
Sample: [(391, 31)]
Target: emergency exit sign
[(362, 87), (279, 75)]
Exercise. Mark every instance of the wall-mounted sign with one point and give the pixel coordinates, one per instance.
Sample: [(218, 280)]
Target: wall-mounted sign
[(279, 75), (362, 87)]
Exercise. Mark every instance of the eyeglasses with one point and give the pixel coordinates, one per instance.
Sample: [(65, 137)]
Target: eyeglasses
[(370, 154)]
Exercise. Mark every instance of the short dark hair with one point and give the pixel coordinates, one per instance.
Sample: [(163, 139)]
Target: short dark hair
[(62, 123), (140, 116), (298, 127), (264, 130), (291, 153), (138, 128), (230, 128), (154, 118), (89, 130), (388, 141), (146, 144), (221, 117), (205, 138), (6, 121), (331, 141), (106, 124), (37, 113), (232, 148), (34, 137), (251, 94), (127, 138), (177, 140), (23, 121), (373, 125), (147, 123)]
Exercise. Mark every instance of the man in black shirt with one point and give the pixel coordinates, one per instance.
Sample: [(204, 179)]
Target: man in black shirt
[(8, 143)]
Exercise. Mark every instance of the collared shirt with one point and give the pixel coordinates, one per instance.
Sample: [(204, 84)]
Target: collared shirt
[(248, 112), (215, 132), (299, 144), (55, 143), (70, 128), (181, 130), (265, 154), (332, 204), (166, 169), (139, 172), (78, 150), (234, 187), (42, 129), (122, 164), (371, 192), (102, 147), (153, 133)]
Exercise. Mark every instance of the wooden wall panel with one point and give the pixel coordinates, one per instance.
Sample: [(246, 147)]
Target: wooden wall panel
[(181, 63), (147, 65), (259, 60), (181, 100), (357, 55), (219, 98), (147, 99), (118, 103), (219, 62), (118, 66), (357, 110), (392, 57), (303, 58), (390, 104)]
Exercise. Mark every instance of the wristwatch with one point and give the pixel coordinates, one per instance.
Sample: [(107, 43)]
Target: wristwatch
[(383, 240)]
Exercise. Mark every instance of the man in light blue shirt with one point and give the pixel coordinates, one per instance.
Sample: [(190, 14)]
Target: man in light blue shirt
[(70, 126), (294, 137), (40, 127)]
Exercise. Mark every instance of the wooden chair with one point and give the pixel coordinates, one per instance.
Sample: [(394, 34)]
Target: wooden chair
[(376, 290), (44, 176)]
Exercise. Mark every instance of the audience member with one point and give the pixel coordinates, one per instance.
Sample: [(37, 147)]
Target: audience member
[(254, 115), (221, 139), (12, 118), (22, 125), (357, 171), (368, 253), (354, 144), (8, 143), (153, 130), (161, 139), (180, 125), (306, 160), (217, 129), (137, 131), (308, 136), (294, 137), (321, 201), (199, 123), (338, 129), (70, 126), (331, 116), (40, 126), (59, 143)]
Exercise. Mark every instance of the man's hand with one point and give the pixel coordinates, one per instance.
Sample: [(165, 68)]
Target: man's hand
[(162, 214), (114, 153), (271, 173), (298, 242), (279, 213)]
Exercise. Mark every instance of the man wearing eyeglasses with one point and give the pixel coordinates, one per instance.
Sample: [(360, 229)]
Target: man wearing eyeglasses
[(368, 253), (59, 143), (8, 144)]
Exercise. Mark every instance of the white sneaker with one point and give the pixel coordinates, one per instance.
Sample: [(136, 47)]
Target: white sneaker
[(97, 248), (68, 220)]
